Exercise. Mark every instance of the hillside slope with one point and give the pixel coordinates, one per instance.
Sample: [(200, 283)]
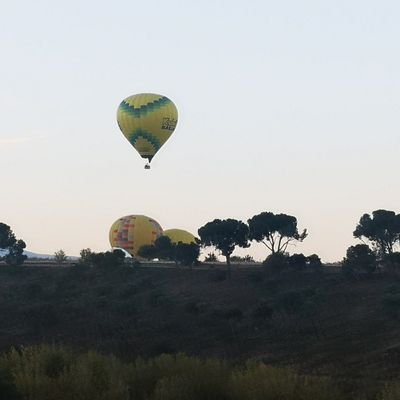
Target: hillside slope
[(319, 322)]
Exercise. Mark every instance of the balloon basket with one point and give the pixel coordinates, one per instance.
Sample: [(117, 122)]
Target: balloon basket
[(147, 166)]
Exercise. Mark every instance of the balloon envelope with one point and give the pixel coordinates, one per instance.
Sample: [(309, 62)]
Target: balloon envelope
[(134, 231), (147, 120), (180, 235)]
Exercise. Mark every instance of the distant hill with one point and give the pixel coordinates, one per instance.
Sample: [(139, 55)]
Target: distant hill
[(31, 254)]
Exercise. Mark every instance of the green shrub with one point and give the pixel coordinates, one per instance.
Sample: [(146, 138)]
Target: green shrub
[(261, 382), (54, 373), (198, 380)]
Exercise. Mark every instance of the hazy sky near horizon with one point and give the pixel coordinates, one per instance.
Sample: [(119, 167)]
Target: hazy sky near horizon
[(289, 106)]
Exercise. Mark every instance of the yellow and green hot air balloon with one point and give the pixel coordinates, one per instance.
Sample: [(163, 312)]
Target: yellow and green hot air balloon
[(134, 231), (180, 235), (147, 120)]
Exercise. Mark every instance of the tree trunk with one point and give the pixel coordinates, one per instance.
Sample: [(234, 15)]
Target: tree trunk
[(228, 263)]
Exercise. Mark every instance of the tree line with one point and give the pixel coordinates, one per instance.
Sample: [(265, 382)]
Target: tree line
[(379, 233)]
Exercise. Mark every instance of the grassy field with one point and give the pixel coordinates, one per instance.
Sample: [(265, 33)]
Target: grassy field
[(318, 323)]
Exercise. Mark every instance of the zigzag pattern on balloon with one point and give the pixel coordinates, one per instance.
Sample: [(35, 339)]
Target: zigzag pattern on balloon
[(140, 133), (145, 108)]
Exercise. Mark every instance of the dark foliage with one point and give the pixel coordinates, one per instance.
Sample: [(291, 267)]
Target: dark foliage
[(7, 237), (392, 261), (275, 231), (276, 262), (382, 230), (225, 235), (186, 254), (314, 262), (15, 247), (15, 254), (359, 258), (148, 252), (108, 259), (298, 261)]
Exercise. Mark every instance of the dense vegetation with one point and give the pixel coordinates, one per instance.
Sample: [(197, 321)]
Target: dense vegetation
[(52, 372), (315, 321)]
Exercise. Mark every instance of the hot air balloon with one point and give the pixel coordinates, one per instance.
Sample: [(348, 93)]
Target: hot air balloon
[(134, 231), (180, 235), (147, 120)]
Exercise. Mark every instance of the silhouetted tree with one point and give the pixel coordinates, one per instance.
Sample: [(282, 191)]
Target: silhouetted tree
[(85, 256), (275, 231), (359, 258), (16, 254), (382, 230), (313, 261), (15, 247), (7, 237), (225, 235), (164, 248), (60, 256), (298, 261), (108, 259), (186, 253), (147, 251)]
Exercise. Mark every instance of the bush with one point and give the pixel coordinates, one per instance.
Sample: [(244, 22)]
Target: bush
[(359, 258), (391, 391), (314, 262), (259, 382), (60, 256), (298, 261), (85, 256), (52, 372), (276, 261), (15, 254), (246, 259), (108, 259)]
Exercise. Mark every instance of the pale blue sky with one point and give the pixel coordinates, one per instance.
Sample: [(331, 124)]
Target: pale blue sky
[(289, 106)]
